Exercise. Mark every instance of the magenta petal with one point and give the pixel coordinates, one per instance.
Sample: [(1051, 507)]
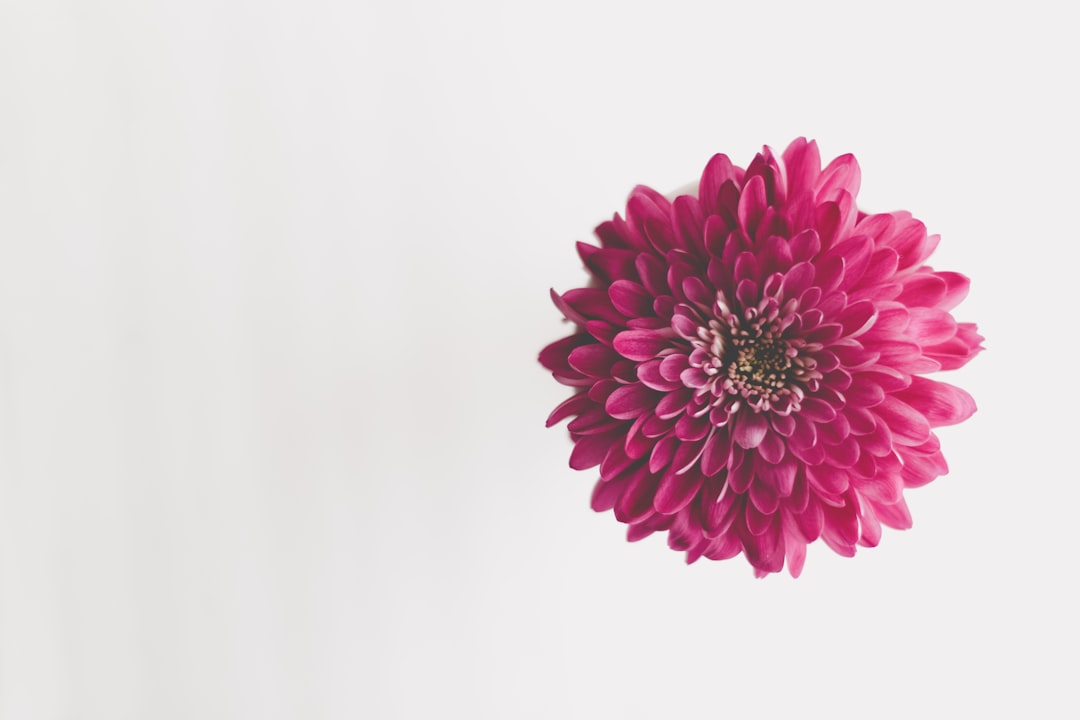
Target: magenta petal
[(662, 453), (715, 455), (676, 491), (630, 298), (750, 428), (640, 344), (896, 516), (636, 502), (630, 401), (573, 405), (841, 174), (941, 403), (771, 447), (590, 450), (908, 426), (752, 204), (593, 360)]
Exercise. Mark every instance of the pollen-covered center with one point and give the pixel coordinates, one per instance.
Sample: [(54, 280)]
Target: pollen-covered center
[(747, 359), (760, 364)]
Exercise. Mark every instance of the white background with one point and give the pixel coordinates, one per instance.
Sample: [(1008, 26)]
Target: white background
[(273, 277)]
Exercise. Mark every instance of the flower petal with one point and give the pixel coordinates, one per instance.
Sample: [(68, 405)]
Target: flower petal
[(750, 428)]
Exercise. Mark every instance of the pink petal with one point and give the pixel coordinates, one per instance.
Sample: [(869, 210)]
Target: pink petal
[(630, 401), (589, 450), (573, 405), (750, 428), (630, 298), (772, 447), (941, 403), (841, 174), (640, 344), (715, 455), (803, 165), (908, 425), (676, 491), (637, 501), (752, 204)]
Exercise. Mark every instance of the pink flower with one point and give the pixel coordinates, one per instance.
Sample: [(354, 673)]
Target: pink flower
[(748, 363)]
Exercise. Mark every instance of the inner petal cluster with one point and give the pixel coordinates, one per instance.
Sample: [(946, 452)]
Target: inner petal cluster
[(749, 358)]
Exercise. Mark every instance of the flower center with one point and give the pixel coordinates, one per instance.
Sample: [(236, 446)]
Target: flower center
[(760, 364), (744, 358)]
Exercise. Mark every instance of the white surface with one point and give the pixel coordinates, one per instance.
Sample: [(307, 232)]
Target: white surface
[(271, 426)]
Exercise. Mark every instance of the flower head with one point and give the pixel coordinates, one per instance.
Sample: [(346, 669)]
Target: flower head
[(748, 362)]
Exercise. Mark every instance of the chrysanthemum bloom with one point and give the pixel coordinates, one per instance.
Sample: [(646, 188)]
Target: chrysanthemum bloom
[(748, 363)]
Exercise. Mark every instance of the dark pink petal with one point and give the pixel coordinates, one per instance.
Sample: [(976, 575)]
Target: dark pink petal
[(687, 454), (766, 551), (615, 462), (924, 289), (650, 376), (593, 360), (764, 497), (653, 274), (796, 280), (941, 403), (606, 494), (858, 317), (631, 401), (803, 165), (592, 304), (841, 524), (640, 344), (930, 326), (676, 491), (636, 502), (692, 428), (554, 356), (896, 516), (783, 424), (863, 392), (841, 174), (715, 455), (630, 298), (750, 428), (804, 433), (882, 488), (590, 450), (957, 289), (779, 476), (662, 453), (811, 521), (655, 427), (827, 480), (805, 246), (812, 455), (689, 223), (908, 425), (878, 442), (752, 204), (573, 405), (593, 422), (918, 470), (674, 403), (771, 447), (608, 264), (844, 454), (870, 533), (718, 171), (817, 410), (881, 268)]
